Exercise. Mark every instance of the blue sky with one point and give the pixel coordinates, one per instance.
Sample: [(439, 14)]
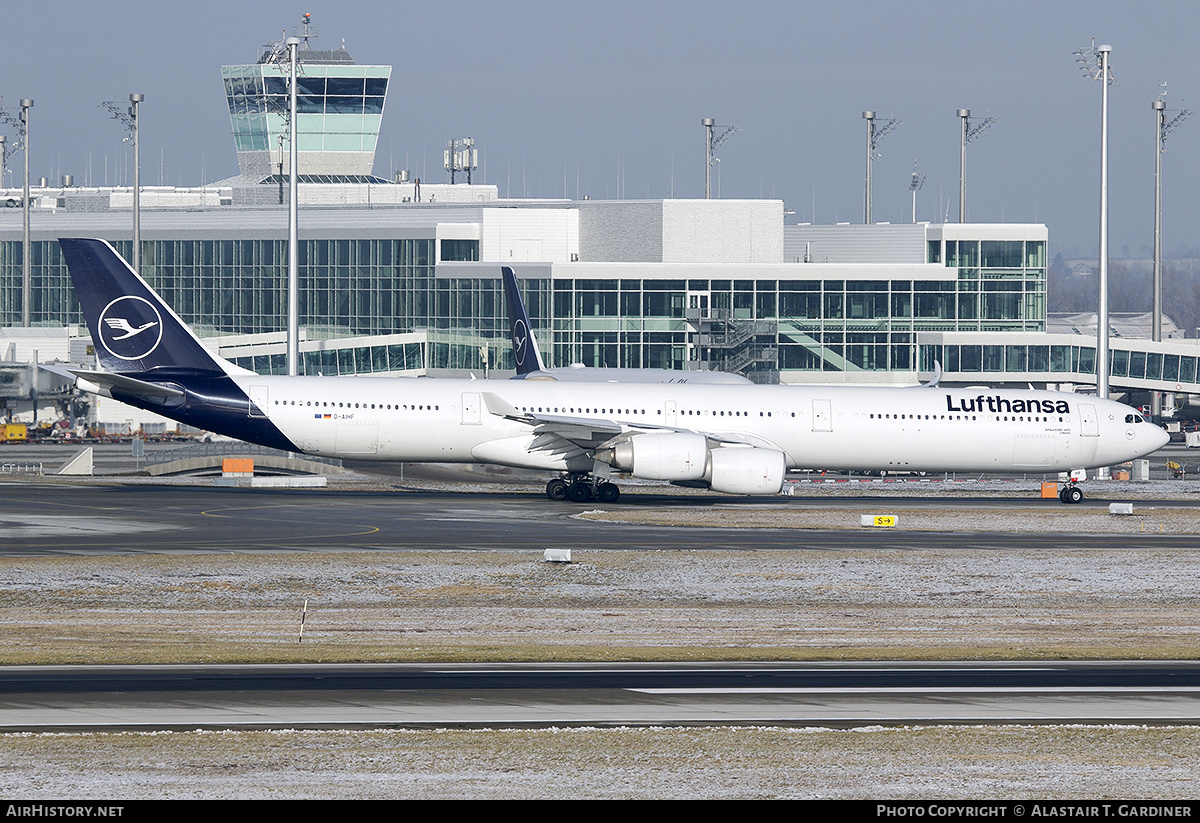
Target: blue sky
[(605, 98)]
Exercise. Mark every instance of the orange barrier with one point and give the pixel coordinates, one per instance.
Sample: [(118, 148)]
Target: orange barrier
[(237, 466)]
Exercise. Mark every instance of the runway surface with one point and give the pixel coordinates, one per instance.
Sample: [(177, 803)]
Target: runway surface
[(499, 695), (98, 518), (101, 518)]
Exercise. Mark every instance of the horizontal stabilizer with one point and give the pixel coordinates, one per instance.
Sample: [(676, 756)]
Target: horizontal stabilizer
[(106, 382)]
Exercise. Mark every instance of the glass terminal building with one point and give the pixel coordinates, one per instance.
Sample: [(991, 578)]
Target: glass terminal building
[(371, 277)]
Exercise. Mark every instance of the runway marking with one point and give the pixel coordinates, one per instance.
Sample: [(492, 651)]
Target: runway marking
[(217, 513)]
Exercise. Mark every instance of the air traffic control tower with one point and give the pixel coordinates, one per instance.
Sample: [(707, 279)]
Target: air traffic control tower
[(339, 109)]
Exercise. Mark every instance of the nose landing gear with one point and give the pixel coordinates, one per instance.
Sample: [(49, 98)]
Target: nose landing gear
[(1071, 493)]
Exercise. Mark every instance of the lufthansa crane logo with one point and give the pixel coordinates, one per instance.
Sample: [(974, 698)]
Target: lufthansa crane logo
[(520, 338), (130, 327)]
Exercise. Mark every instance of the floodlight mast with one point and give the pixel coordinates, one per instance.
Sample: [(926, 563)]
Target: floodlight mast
[(21, 123), (287, 49), (1163, 128), (710, 146), (1094, 62), (708, 122), (26, 270), (293, 310), (873, 136), (134, 101), (129, 117), (918, 181), (968, 134)]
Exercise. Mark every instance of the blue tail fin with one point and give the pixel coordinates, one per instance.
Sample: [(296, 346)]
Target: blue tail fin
[(525, 350), (150, 357), (134, 332)]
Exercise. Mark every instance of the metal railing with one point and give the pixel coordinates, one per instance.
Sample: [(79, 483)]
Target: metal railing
[(21, 468), (238, 448)]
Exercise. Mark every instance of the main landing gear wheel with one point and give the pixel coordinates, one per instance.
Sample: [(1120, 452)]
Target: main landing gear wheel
[(556, 489), (580, 491), (581, 488), (1071, 494)]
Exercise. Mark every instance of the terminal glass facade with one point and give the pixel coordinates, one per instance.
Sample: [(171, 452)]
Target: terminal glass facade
[(799, 325), (376, 286)]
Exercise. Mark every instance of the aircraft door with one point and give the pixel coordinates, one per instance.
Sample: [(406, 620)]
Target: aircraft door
[(822, 416), (258, 402), (471, 414), (1088, 421), (671, 412)]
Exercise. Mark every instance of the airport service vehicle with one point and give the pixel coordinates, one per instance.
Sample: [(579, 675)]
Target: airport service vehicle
[(530, 365), (735, 439), (13, 432)]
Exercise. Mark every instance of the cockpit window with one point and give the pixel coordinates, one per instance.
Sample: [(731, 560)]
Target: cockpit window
[(1134, 418)]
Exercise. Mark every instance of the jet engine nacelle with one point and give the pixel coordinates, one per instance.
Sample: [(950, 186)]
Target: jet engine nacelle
[(746, 470), (665, 456)]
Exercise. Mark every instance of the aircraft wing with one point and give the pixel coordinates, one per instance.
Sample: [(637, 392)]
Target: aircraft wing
[(558, 433), (576, 435)]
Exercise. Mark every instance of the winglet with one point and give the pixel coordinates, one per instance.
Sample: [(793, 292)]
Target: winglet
[(524, 347), (500, 407), (937, 376)]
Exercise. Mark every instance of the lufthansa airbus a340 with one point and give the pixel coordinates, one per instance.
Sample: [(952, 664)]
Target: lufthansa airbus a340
[(736, 439)]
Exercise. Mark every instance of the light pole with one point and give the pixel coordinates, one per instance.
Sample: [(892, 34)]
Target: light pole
[(134, 100), (1102, 319), (281, 50), (918, 180), (967, 135), (710, 146), (1159, 108), (293, 312), (129, 116), (708, 122), (26, 270), (1163, 128), (873, 136), (21, 123), (1095, 65)]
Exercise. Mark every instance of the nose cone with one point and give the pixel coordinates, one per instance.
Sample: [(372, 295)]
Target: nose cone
[(1143, 439), (1163, 438)]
